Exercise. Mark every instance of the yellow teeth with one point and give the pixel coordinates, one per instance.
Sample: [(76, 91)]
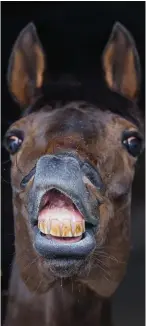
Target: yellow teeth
[(62, 229), (66, 229), (55, 228), (79, 229), (43, 226)]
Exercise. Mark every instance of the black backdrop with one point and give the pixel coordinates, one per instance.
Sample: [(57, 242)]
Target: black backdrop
[(74, 35)]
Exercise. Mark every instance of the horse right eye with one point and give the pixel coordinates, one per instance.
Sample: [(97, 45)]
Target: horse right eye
[(13, 142), (133, 143)]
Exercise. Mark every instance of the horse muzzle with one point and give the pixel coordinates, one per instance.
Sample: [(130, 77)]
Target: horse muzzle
[(63, 212)]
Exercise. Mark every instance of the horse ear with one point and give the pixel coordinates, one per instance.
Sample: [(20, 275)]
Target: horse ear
[(121, 63), (26, 66)]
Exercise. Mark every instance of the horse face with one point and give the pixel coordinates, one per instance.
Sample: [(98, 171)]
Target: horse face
[(72, 170)]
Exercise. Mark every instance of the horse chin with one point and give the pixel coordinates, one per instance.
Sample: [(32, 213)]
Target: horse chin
[(66, 268)]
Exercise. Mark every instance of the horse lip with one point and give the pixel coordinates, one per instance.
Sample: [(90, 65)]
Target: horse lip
[(49, 248), (73, 199)]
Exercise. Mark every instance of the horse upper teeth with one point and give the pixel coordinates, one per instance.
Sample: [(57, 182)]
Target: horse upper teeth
[(79, 229), (62, 228), (55, 228), (41, 226), (66, 229)]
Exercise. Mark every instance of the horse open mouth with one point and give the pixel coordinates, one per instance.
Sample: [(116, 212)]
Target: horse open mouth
[(59, 218), (61, 228)]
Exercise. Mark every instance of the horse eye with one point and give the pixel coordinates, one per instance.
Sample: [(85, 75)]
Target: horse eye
[(13, 143), (133, 144)]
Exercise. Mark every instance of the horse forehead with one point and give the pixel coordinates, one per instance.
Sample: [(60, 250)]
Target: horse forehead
[(73, 116)]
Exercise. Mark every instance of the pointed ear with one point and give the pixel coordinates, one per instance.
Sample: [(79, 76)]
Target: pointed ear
[(26, 66), (121, 63)]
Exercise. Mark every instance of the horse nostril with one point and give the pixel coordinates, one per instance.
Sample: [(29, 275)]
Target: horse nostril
[(93, 175), (93, 190), (27, 178)]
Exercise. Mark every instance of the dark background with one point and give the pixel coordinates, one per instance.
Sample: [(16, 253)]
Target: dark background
[(74, 35)]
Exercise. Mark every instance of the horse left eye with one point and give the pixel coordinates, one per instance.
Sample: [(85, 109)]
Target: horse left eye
[(133, 145)]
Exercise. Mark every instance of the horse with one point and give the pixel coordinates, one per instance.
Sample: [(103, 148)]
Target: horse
[(73, 155)]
